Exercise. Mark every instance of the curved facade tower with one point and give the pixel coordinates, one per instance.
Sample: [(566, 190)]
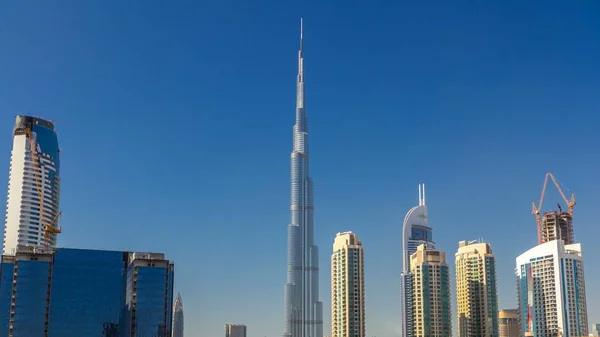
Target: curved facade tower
[(415, 232), (178, 317), (34, 185), (303, 312)]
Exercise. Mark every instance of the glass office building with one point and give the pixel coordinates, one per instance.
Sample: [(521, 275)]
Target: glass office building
[(77, 292)]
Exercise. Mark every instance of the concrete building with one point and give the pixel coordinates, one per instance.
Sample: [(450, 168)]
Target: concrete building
[(476, 290), (552, 299), (178, 317), (557, 225), (78, 292), (595, 329), (347, 286), (235, 330), (508, 323), (432, 315), (303, 312), (415, 232), (32, 207)]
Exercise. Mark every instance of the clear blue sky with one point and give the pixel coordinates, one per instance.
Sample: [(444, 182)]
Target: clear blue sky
[(175, 123)]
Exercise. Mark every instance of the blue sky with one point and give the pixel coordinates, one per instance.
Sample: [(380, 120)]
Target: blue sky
[(175, 124)]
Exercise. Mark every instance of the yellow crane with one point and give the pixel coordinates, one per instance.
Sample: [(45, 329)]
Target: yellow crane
[(51, 227), (536, 209)]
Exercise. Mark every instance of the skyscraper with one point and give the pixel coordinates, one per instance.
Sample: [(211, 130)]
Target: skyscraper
[(508, 323), (303, 312), (34, 186), (431, 293), (178, 317), (235, 330), (476, 290), (347, 286), (551, 283), (415, 232)]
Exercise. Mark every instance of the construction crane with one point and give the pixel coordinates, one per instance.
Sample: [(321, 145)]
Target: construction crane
[(53, 226), (536, 209)]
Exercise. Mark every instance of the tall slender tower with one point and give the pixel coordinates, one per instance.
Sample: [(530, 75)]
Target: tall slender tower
[(178, 317), (34, 186), (476, 291), (415, 232), (303, 312), (347, 286)]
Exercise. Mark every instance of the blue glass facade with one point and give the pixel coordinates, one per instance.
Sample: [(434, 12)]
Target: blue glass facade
[(6, 279), (31, 298), (149, 312), (421, 234), (87, 292), (76, 292)]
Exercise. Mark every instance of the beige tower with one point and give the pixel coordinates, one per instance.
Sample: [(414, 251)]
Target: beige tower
[(347, 286), (431, 293), (476, 294)]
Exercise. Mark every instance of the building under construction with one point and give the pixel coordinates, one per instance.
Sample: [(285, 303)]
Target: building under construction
[(555, 225)]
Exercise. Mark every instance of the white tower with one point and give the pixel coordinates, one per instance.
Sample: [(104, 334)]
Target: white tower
[(32, 208)]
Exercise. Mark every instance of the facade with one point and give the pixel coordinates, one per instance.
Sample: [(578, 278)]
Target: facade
[(432, 316), (347, 286), (77, 292), (476, 290), (557, 225), (508, 323), (178, 317), (552, 300), (415, 232), (595, 329), (34, 185), (235, 330), (303, 312)]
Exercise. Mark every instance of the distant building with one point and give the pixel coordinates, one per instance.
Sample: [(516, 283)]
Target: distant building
[(178, 317), (235, 330), (508, 323), (415, 232), (347, 286), (552, 298), (34, 185), (476, 290), (432, 316), (78, 292), (595, 329)]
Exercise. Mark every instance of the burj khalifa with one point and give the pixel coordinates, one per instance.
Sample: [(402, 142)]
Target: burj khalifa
[(302, 309)]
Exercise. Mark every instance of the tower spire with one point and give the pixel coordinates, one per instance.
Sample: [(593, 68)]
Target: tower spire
[(300, 84)]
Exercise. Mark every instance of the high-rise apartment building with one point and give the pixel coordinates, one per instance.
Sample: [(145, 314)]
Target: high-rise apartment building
[(415, 232), (432, 316), (476, 290), (78, 292), (303, 312), (508, 323), (347, 286), (178, 317), (32, 207), (235, 330), (552, 298)]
